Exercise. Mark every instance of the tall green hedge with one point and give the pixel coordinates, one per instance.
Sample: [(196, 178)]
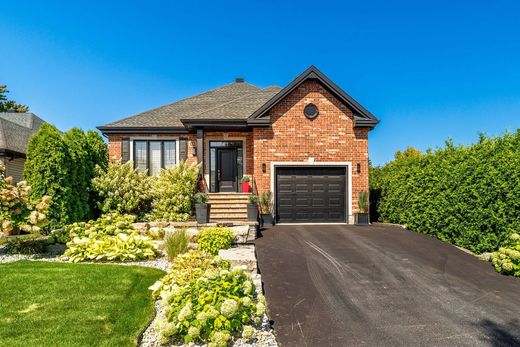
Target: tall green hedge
[(465, 195), (62, 166)]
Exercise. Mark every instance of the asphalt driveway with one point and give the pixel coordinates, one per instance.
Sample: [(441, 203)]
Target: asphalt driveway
[(338, 285)]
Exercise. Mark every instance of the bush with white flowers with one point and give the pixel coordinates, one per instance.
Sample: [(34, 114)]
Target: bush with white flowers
[(507, 259), (204, 300), (18, 212)]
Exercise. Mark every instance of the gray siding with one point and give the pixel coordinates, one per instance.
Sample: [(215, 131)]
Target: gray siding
[(14, 168)]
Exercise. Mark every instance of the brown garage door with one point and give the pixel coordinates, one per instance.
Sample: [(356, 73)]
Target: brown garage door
[(310, 194)]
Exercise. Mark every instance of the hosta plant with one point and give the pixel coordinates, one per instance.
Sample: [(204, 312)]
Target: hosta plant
[(211, 305), (121, 247), (213, 239), (18, 212), (111, 237), (507, 259)]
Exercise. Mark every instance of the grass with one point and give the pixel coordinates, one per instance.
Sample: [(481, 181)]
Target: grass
[(61, 304), (176, 243)]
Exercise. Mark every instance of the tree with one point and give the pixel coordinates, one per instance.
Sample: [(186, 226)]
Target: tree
[(47, 169), (7, 105), (79, 174), (409, 152), (98, 152)]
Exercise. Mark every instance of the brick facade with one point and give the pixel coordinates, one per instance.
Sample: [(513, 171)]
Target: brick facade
[(331, 137)]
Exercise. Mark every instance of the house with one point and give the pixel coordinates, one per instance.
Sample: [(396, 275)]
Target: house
[(307, 143), (15, 131)]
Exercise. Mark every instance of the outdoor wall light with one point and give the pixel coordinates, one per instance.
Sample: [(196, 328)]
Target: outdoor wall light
[(193, 148), (358, 168), (264, 168)]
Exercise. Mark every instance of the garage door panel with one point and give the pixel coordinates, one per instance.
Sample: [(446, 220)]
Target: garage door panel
[(311, 194)]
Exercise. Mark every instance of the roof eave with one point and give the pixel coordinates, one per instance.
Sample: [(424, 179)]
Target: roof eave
[(108, 130)]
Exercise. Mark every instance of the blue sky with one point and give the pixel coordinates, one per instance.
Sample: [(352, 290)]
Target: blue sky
[(429, 70)]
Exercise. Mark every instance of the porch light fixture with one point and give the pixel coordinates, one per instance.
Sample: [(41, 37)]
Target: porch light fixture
[(264, 168), (193, 145), (358, 168)]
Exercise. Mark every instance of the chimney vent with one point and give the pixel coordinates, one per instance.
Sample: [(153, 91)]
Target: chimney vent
[(239, 80)]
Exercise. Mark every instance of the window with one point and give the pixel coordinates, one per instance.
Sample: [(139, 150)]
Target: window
[(154, 155)]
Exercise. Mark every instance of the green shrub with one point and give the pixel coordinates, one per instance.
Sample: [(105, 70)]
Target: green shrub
[(507, 259), (186, 268), (46, 170), (253, 199), (111, 237), (465, 195), (362, 202), (61, 166), (213, 239), (201, 198), (122, 189), (266, 202), (176, 243), (30, 244), (18, 212), (204, 301), (173, 192)]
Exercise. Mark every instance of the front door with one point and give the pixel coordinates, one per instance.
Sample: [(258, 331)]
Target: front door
[(227, 170)]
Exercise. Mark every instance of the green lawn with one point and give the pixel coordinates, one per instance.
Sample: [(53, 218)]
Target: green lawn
[(61, 304)]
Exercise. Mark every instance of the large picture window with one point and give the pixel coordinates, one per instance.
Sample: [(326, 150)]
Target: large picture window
[(154, 155)]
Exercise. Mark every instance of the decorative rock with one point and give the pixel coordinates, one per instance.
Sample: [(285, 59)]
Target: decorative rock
[(241, 256)]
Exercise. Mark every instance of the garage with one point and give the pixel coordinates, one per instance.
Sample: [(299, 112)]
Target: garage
[(311, 194)]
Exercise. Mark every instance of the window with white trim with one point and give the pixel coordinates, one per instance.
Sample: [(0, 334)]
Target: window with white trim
[(154, 155)]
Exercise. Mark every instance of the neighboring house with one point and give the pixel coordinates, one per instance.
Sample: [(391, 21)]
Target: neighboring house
[(307, 143), (15, 131)]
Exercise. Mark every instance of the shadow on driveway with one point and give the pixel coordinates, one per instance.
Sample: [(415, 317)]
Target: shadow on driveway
[(339, 285)]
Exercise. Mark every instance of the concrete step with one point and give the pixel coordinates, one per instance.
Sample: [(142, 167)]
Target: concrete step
[(228, 202), (219, 196), (228, 216), (226, 209)]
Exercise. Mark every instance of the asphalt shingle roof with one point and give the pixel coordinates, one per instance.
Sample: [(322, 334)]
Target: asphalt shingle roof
[(232, 101), (16, 129)]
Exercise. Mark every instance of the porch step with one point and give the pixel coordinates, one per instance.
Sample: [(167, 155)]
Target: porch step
[(228, 206)]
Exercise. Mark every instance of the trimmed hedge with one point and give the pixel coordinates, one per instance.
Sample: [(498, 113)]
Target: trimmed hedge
[(465, 195)]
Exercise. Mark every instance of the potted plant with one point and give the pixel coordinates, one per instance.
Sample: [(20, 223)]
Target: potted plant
[(252, 208), (245, 185), (266, 205), (362, 217), (202, 208)]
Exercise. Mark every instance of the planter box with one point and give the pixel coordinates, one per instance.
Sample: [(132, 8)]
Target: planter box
[(245, 187), (252, 212), (202, 213), (267, 219), (362, 218)]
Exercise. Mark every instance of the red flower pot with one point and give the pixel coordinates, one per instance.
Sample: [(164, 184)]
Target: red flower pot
[(245, 187)]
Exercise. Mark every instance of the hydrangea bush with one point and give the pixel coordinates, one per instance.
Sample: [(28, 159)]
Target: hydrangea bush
[(507, 259), (111, 237), (204, 300), (213, 239), (173, 192), (123, 189), (18, 212)]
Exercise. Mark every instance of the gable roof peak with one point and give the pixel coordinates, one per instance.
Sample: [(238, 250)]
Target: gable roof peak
[(362, 117)]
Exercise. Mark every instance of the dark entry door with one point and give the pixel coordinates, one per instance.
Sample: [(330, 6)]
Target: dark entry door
[(227, 170), (311, 194)]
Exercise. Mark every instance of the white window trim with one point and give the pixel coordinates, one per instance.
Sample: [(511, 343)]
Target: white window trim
[(206, 154), (346, 164), (156, 138)]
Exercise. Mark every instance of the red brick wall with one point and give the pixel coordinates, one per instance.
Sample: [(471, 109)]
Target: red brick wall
[(330, 137), (114, 143)]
